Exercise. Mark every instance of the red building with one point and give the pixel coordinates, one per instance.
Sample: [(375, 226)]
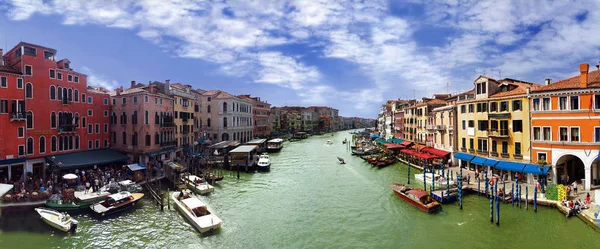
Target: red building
[(261, 112), (61, 114)]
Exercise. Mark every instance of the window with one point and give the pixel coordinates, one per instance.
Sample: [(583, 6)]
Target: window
[(464, 142), (563, 134), (156, 118), (30, 146), (574, 134), (124, 138), (29, 90), (4, 106), (52, 120), (536, 104), (3, 82), (471, 124), (59, 76), (97, 143), (517, 125), (482, 125), (48, 55), (60, 143), (463, 108), (596, 134), (76, 79), (208, 109), (134, 140), (156, 139), (148, 138), (224, 106), (597, 101), (42, 145), (53, 92), (537, 133), (97, 128), (29, 120), (134, 99), (134, 117), (83, 99), (471, 141), (52, 74), (155, 100), (106, 113), (124, 100), (76, 95), (517, 148), (161, 101), (208, 122), (146, 117), (547, 133), (90, 145), (105, 101), (90, 129), (516, 105), (225, 122), (562, 103), (146, 98), (504, 147), (495, 146), (83, 123), (19, 83), (123, 118), (546, 104), (53, 144), (90, 100), (482, 145), (504, 106), (70, 78), (464, 126), (76, 142), (20, 132), (105, 143), (493, 107), (28, 70), (574, 102), (470, 108)]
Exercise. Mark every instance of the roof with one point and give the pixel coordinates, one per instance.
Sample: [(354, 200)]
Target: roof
[(244, 149), (32, 45), (8, 69), (418, 193), (256, 141), (88, 158), (222, 144), (520, 88), (136, 166), (193, 203), (571, 83)]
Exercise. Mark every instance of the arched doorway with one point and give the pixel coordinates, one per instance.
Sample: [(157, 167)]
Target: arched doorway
[(568, 169), (225, 137)]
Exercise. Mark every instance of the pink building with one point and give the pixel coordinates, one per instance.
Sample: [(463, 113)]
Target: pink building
[(142, 123), (261, 113)]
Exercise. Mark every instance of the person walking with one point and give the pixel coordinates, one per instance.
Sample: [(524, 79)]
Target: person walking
[(96, 184), (575, 187)]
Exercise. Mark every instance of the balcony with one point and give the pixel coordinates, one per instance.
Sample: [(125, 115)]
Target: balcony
[(168, 144), (482, 152), (66, 128), (471, 151), (430, 144), (499, 115), (185, 120), (502, 133), (440, 127), (429, 127), (494, 153), (518, 156), (18, 116), (167, 125), (450, 127), (463, 149)]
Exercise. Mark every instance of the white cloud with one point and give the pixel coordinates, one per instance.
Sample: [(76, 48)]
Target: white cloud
[(94, 79)]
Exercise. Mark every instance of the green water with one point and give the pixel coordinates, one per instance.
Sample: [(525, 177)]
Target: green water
[(309, 200)]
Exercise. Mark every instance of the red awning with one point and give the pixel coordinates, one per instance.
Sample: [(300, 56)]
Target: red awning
[(436, 152), (406, 143), (418, 147), (408, 152), (393, 146), (424, 156)]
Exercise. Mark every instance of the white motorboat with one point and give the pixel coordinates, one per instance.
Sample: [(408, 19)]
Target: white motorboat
[(58, 220), (264, 162), (274, 145), (197, 184), (329, 142), (195, 211), (440, 181)]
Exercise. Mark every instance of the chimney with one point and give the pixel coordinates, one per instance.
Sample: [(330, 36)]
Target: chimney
[(548, 81), (583, 79), (132, 83)]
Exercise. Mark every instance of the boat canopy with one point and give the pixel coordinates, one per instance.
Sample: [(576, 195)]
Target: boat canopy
[(436, 152), (126, 183), (396, 140), (406, 143), (256, 141), (4, 188), (88, 158), (224, 144), (417, 193), (244, 149), (174, 165), (374, 136), (193, 203), (276, 140), (120, 196), (380, 141)]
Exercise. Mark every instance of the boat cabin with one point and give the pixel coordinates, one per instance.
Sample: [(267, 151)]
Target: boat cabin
[(116, 199), (195, 206), (243, 156), (419, 195), (276, 143), (261, 144)]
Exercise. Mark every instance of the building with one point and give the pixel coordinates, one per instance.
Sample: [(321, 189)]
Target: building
[(56, 114), (310, 119), (398, 116), (565, 119), (441, 124), (142, 123), (275, 118), (227, 117), (423, 135), (261, 114)]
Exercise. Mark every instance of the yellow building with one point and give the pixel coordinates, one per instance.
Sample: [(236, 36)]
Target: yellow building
[(184, 115), (494, 126)]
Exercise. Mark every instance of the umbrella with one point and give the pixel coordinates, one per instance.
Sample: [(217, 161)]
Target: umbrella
[(70, 177)]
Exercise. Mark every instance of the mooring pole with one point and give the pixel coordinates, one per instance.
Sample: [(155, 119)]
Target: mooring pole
[(526, 197), (408, 172), (535, 200), (498, 211)]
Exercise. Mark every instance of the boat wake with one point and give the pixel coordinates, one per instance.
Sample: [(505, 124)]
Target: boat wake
[(461, 223)]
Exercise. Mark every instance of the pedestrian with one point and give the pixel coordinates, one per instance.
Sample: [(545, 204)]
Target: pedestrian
[(575, 187), (87, 187), (96, 185), (562, 179)]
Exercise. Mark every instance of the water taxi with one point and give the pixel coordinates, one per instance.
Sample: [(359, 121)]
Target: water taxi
[(195, 211), (197, 184), (116, 203), (77, 203), (58, 220), (264, 162), (416, 197), (274, 145)]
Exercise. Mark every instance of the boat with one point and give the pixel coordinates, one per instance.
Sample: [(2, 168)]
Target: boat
[(264, 162), (78, 202), (210, 177), (195, 211), (126, 185), (341, 160), (345, 141), (197, 184), (329, 142), (274, 145), (445, 195), (439, 180), (58, 220), (416, 197), (116, 203)]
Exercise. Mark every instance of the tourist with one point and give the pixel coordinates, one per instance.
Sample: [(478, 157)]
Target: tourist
[(562, 179), (87, 187), (575, 187), (588, 199), (96, 184)]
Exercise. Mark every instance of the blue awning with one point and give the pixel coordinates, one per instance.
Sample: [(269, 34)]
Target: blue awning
[(490, 162), (463, 156), (196, 154), (478, 160), (536, 169), (374, 136), (13, 161), (380, 141), (158, 152), (136, 166), (397, 140), (515, 167)]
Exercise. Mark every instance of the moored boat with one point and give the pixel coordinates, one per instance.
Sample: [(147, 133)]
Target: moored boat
[(126, 185), (440, 181), (329, 142), (78, 203), (197, 184), (341, 160), (195, 211), (264, 162), (274, 145), (58, 220), (116, 203), (416, 197)]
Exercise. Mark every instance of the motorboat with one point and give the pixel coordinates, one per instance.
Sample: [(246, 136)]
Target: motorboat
[(274, 145), (345, 141), (197, 184), (416, 197), (264, 162), (341, 160), (329, 142), (58, 220), (195, 211), (116, 203), (76, 202), (440, 180), (126, 185)]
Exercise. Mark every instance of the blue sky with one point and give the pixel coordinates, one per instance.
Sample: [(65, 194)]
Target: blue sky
[(351, 55)]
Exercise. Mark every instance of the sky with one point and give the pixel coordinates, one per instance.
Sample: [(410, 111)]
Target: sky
[(350, 55)]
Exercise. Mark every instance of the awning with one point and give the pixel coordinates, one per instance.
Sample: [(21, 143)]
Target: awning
[(224, 144), (408, 152), (478, 160), (406, 143), (374, 136), (490, 162), (244, 149), (393, 146), (536, 169), (380, 141), (397, 140), (158, 152), (436, 152), (512, 166), (463, 156), (196, 154), (418, 147), (424, 156), (174, 165), (88, 158), (4, 188), (136, 166), (13, 161)]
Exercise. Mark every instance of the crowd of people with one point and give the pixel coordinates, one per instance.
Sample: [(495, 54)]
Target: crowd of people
[(576, 206)]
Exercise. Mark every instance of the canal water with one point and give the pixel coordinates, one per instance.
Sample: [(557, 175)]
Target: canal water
[(308, 200)]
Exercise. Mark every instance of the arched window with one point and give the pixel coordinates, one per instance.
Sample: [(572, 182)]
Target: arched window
[(29, 91), (52, 92), (148, 139), (42, 145), (225, 122), (134, 139), (114, 137), (208, 109), (76, 95), (60, 143), (59, 93), (30, 146), (146, 119), (53, 120), (70, 142), (29, 120), (134, 118), (76, 142), (53, 144), (156, 139), (114, 118), (65, 93), (156, 118), (123, 118), (124, 138), (224, 106), (70, 94), (208, 122), (225, 137)]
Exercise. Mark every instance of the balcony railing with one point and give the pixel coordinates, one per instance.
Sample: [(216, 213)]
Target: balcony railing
[(430, 144), (498, 133), (440, 127), (450, 127), (168, 144), (167, 125), (18, 116), (429, 127)]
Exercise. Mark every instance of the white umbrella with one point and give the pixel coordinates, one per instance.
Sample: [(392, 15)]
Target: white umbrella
[(70, 177)]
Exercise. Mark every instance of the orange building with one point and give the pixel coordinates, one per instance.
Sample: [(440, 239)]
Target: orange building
[(565, 120)]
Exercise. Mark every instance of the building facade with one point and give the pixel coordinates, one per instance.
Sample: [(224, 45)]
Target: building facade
[(228, 118), (261, 114)]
